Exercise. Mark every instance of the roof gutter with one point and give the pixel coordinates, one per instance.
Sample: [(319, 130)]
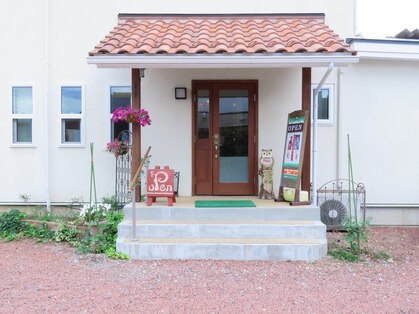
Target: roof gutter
[(200, 61)]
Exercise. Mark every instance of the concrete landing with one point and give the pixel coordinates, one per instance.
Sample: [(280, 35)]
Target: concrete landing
[(271, 231)]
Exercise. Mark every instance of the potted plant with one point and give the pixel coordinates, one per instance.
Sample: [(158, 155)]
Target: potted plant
[(132, 115), (92, 215), (117, 147)]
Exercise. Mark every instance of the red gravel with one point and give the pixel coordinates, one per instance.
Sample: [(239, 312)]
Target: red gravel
[(52, 278)]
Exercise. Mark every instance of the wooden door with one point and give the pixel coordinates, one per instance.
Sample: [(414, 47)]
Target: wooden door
[(225, 146)]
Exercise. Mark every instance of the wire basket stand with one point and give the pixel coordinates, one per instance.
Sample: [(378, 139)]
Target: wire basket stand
[(334, 200)]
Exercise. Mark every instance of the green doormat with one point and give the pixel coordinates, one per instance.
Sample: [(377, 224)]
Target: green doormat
[(226, 203)]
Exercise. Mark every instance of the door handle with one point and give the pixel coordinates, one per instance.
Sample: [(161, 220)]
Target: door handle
[(216, 143), (216, 151)]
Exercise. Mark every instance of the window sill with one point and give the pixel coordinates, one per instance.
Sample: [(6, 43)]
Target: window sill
[(21, 145), (323, 123), (71, 145)]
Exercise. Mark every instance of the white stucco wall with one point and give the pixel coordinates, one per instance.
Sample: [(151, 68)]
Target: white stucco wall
[(74, 28), (171, 131), (21, 64), (380, 111)]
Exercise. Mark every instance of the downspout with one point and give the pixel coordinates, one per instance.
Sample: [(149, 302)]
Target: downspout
[(315, 114), (339, 124), (46, 107)]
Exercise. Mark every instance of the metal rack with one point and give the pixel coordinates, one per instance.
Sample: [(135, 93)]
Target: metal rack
[(336, 202)]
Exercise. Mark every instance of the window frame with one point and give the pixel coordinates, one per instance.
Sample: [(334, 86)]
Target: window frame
[(20, 116), (331, 88), (80, 117), (108, 97)]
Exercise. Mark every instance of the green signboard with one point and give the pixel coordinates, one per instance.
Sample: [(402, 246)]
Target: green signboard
[(293, 153)]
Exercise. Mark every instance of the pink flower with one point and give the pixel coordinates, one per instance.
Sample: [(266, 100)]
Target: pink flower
[(132, 115), (117, 148)]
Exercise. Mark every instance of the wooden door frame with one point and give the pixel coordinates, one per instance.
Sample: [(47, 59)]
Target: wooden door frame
[(195, 83)]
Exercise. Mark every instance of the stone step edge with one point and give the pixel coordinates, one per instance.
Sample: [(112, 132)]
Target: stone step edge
[(223, 241)]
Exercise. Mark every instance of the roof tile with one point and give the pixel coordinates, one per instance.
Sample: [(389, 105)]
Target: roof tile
[(173, 34)]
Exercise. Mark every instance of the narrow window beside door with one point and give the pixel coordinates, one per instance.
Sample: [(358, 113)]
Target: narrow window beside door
[(120, 96), (325, 113), (22, 110)]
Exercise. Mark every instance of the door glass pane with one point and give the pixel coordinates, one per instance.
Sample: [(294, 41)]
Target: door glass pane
[(22, 100), (71, 100), (233, 122), (203, 119)]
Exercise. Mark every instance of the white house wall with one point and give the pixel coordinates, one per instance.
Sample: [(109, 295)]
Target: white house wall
[(74, 27), (21, 64), (380, 111)]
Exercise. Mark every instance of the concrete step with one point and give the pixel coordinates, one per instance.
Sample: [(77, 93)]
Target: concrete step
[(235, 213), (224, 248), (305, 229)]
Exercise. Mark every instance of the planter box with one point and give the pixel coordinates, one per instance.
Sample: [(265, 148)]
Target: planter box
[(52, 225)]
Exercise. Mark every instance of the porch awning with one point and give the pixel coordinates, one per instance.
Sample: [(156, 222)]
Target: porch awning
[(221, 41)]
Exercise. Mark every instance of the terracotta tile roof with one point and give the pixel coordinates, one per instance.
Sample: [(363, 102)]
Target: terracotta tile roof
[(175, 34)]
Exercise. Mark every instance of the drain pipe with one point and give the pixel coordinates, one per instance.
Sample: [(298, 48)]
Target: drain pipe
[(339, 124), (315, 114), (46, 92)]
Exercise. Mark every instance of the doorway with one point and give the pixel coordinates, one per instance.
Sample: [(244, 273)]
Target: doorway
[(224, 137)]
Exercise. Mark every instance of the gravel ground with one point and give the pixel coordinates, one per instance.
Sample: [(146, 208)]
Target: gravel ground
[(52, 278)]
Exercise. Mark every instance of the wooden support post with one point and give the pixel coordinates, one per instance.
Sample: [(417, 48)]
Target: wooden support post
[(136, 129), (306, 105)]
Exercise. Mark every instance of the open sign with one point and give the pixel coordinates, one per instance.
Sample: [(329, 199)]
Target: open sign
[(160, 183)]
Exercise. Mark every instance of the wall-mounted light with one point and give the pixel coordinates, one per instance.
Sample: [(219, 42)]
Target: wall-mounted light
[(142, 73), (180, 92)]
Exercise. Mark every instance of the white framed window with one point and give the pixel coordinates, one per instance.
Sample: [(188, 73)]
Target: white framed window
[(22, 116), (119, 97), (326, 102), (72, 115)]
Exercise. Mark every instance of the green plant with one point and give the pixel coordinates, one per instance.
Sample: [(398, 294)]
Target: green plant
[(25, 197), (113, 254), (111, 226), (40, 213), (76, 202), (113, 202), (94, 213), (11, 224), (356, 232), (42, 233), (380, 255), (104, 242), (65, 233), (342, 254)]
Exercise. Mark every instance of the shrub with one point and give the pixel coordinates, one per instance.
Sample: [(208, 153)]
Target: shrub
[(11, 224)]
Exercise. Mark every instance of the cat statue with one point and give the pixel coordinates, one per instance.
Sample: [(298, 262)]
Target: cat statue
[(266, 172)]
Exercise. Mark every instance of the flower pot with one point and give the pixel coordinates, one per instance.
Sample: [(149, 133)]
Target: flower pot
[(131, 118)]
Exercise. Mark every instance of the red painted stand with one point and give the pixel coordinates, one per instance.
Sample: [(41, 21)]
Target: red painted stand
[(160, 183)]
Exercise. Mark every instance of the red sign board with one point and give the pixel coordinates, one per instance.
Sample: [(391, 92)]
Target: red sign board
[(160, 183)]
